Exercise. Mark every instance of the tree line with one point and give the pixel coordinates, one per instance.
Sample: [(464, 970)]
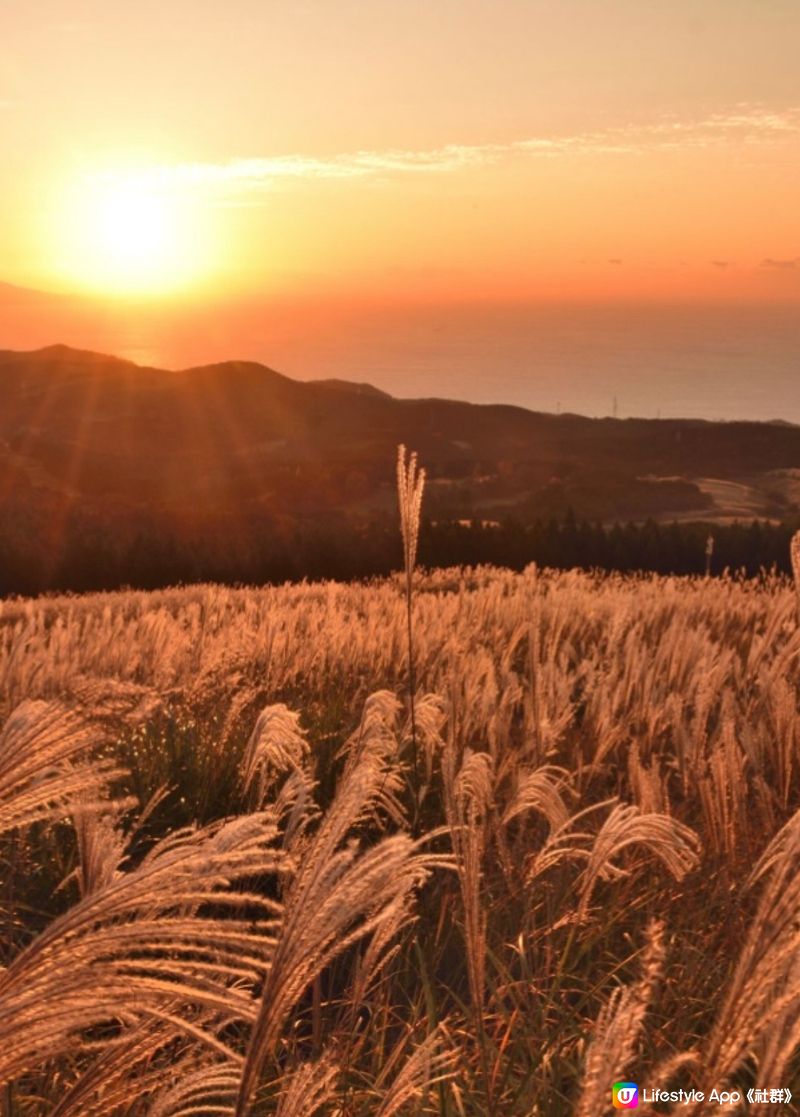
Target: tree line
[(86, 554)]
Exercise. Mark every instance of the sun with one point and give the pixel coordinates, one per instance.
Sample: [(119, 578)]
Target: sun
[(132, 233), (127, 233)]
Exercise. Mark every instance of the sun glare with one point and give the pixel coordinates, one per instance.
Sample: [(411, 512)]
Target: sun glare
[(125, 234)]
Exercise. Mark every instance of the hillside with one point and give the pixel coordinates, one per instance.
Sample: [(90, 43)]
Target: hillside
[(89, 429)]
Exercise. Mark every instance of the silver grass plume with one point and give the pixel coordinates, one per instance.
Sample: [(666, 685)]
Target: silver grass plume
[(709, 553), (295, 807), (410, 484), (102, 843), (761, 1012), (102, 846), (375, 744), (468, 796), (540, 791), (338, 897), (794, 548), (46, 767), (148, 1066), (468, 799), (673, 843), (618, 1027), (277, 746), (202, 1089), (381, 949), (140, 947), (430, 715), (341, 900), (308, 1089), (427, 1064)]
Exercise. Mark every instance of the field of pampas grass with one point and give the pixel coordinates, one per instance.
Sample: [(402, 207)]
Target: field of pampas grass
[(246, 868)]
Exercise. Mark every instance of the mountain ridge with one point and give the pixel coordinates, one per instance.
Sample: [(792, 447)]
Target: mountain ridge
[(81, 425), (62, 352)]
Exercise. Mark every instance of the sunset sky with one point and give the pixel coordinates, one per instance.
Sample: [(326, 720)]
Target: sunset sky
[(404, 153), (547, 148)]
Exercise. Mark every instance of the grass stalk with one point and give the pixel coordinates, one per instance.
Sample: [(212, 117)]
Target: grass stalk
[(410, 485)]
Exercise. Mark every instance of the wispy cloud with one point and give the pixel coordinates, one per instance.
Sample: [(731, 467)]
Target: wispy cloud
[(271, 170), (745, 124), (781, 264)]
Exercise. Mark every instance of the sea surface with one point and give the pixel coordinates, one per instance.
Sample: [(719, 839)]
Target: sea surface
[(713, 362)]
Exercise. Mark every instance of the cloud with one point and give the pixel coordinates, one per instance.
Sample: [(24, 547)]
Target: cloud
[(745, 124), (782, 264), (721, 263), (614, 260)]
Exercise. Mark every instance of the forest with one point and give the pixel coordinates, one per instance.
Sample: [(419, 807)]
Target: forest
[(83, 552)]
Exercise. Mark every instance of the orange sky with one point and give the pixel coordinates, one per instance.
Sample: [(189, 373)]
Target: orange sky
[(403, 149)]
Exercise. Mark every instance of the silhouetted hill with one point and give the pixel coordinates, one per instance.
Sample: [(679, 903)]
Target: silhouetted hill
[(79, 427), (349, 386)]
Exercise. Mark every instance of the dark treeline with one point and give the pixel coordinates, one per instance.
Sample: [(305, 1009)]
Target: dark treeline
[(86, 555), (675, 548)]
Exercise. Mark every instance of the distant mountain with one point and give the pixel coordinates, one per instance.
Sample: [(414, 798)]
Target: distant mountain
[(238, 438), (13, 296), (349, 386)]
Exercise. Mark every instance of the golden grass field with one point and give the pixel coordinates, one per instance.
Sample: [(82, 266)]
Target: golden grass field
[(225, 891)]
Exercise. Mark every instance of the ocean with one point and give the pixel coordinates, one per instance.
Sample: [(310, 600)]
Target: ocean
[(669, 361)]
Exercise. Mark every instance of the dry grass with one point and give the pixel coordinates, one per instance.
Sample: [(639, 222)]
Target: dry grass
[(239, 878)]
